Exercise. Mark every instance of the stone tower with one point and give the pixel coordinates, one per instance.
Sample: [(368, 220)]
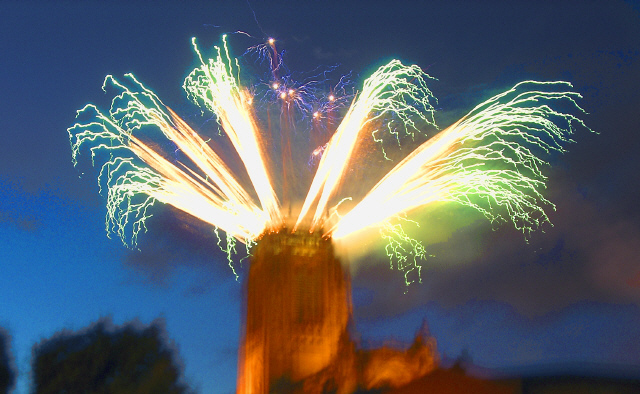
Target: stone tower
[(297, 312)]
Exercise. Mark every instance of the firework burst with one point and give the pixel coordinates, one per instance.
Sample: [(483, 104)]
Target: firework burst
[(490, 160)]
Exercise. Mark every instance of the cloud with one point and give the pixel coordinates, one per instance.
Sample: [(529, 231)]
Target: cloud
[(176, 240), (587, 255), (17, 207)]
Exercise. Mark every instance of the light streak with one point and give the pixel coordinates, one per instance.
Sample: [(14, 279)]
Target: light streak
[(490, 160), (214, 86), (387, 92)]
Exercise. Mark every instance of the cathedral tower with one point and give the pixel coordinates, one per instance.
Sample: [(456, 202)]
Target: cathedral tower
[(297, 311)]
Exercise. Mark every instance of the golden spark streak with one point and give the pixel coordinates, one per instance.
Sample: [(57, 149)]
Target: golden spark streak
[(218, 199), (190, 143), (408, 185), (214, 84), (386, 92), (332, 164), (188, 194), (486, 161)]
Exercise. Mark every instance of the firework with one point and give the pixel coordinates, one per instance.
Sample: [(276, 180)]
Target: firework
[(490, 160)]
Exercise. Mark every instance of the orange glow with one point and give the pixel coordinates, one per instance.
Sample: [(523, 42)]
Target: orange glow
[(296, 332)]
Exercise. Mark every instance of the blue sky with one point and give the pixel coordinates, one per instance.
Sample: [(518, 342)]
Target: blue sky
[(571, 295)]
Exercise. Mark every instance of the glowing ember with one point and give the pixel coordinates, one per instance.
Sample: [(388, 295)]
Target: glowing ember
[(490, 160)]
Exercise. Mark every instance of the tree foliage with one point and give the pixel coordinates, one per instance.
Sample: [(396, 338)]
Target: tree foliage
[(106, 359)]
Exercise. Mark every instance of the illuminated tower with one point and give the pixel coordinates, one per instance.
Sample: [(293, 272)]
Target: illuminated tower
[(297, 312)]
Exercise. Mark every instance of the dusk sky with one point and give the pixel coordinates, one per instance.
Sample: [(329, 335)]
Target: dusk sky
[(567, 296)]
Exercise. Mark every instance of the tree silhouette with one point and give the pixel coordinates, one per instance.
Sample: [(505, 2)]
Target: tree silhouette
[(106, 359), (7, 373)]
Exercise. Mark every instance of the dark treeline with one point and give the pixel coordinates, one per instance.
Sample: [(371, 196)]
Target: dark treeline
[(103, 358), (7, 371)]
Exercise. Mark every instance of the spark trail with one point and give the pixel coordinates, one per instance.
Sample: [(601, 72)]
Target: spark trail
[(490, 160)]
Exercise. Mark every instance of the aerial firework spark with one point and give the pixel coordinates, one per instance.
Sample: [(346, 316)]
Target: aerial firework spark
[(490, 160)]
